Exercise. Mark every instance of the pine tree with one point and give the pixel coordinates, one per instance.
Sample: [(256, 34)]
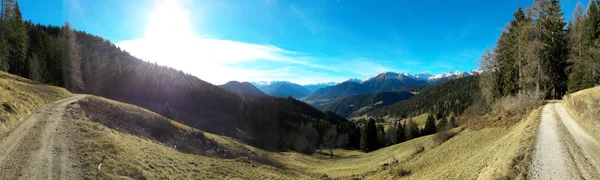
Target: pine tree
[(400, 134), (4, 66), (576, 55), (411, 130), (381, 142), (18, 39), (553, 53), (364, 138), (429, 126), (369, 137), (528, 53)]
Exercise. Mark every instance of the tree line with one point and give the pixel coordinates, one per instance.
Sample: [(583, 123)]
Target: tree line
[(451, 97), (373, 135), (539, 53), (85, 63)]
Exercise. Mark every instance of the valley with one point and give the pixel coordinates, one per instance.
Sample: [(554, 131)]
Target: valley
[(88, 134), (96, 134), (265, 90)]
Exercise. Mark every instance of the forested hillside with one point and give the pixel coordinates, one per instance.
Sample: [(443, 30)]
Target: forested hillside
[(359, 104), (243, 88), (538, 53), (84, 63), (284, 89), (451, 97), (323, 96)]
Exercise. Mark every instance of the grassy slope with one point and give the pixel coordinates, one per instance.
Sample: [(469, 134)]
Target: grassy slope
[(359, 104), (488, 153), (19, 97), (153, 157), (584, 106)]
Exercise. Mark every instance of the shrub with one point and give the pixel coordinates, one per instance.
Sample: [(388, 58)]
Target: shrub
[(442, 137)]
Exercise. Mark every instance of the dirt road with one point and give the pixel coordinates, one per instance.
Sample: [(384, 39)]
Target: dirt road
[(563, 150), (39, 147)]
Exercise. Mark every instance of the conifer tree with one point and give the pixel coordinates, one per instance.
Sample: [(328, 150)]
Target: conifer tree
[(411, 130), (400, 134), (576, 53), (429, 126), (18, 40), (4, 66), (364, 138), (553, 53), (381, 142)]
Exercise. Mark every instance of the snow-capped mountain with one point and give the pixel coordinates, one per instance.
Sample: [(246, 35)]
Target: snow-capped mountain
[(354, 80), (386, 81), (443, 77)]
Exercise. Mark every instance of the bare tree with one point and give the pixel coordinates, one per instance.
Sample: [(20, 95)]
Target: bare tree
[(343, 140), (330, 140), (34, 68), (487, 82), (72, 76)]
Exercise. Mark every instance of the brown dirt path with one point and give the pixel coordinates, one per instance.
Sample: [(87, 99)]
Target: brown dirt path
[(39, 147)]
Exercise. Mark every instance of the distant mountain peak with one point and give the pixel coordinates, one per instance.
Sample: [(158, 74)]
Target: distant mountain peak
[(355, 80), (243, 88)]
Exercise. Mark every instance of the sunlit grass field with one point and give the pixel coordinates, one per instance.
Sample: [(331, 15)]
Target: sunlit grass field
[(19, 97)]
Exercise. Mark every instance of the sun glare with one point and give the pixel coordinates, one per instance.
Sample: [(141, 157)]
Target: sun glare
[(169, 22), (170, 39)]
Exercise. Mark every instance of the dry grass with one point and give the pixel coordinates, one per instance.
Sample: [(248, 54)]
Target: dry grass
[(132, 151), (584, 106), (506, 112), (140, 144), (491, 153), (497, 151), (19, 97)]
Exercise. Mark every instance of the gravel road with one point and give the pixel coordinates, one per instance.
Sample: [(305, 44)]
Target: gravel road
[(563, 150)]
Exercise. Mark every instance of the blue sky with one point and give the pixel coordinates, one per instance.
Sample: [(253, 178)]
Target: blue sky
[(305, 41)]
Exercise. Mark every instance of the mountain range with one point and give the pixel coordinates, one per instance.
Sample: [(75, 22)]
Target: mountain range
[(386, 81), (359, 104), (243, 88)]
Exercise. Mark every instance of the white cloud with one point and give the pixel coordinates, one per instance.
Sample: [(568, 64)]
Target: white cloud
[(169, 39)]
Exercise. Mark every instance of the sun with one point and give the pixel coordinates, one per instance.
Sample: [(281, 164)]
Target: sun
[(169, 21)]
